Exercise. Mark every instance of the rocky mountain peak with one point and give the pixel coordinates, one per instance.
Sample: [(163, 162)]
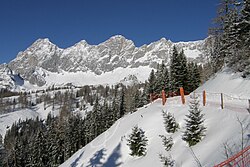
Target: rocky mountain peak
[(118, 40), (42, 42), (82, 43)]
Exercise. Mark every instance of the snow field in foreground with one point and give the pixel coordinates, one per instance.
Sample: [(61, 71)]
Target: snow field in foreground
[(110, 148)]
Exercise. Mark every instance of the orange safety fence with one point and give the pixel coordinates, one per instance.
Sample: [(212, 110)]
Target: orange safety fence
[(164, 99), (182, 95), (204, 98), (241, 159), (164, 95)]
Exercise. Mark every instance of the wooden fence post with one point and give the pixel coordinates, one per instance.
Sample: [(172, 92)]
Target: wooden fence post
[(222, 103), (249, 105), (204, 98), (163, 97), (182, 95), (151, 97)]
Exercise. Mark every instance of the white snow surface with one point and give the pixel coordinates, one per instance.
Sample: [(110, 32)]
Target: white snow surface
[(89, 78), (110, 148), (228, 82), (6, 120)]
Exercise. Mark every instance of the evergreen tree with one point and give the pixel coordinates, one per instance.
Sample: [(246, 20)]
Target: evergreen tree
[(167, 161), (115, 109), (178, 70), (194, 77), (52, 145), (144, 98), (136, 99), (94, 116), (39, 151), (232, 31), (195, 129), (170, 123), (137, 142), (59, 147), (107, 116), (174, 64), (167, 142), (2, 151), (71, 140), (18, 153), (183, 69), (243, 33), (159, 81), (151, 82), (221, 32), (166, 80), (122, 108)]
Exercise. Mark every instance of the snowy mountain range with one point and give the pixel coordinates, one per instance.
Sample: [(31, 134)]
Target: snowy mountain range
[(44, 64)]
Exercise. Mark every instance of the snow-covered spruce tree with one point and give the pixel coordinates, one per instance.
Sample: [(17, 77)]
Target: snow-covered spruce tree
[(170, 123), (244, 38), (194, 77), (167, 142), (122, 105), (178, 70), (137, 142), (167, 161), (39, 151), (195, 129), (162, 78), (151, 82), (183, 69), (2, 151), (144, 99)]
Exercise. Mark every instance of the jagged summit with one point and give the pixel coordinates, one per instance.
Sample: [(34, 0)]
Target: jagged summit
[(117, 37)]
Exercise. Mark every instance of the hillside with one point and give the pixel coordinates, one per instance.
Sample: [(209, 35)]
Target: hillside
[(110, 148)]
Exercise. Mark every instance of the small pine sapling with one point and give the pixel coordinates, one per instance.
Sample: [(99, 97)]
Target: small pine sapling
[(170, 123), (195, 129), (167, 142), (167, 161), (137, 142)]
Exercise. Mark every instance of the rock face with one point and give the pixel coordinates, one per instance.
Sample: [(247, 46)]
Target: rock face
[(114, 53), (8, 79)]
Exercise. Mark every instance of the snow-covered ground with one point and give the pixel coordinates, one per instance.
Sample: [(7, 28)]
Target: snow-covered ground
[(119, 75), (6, 120), (229, 83), (110, 148)]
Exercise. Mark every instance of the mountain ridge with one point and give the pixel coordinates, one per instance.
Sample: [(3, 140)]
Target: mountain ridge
[(116, 52)]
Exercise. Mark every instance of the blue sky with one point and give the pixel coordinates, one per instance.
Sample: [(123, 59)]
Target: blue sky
[(66, 22)]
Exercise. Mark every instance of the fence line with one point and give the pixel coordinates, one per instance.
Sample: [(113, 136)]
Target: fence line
[(222, 100), (241, 159)]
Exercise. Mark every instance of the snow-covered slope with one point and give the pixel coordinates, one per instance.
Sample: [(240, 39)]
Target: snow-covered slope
[(228, 82), (110, 148), (43, 58), (6, 120)]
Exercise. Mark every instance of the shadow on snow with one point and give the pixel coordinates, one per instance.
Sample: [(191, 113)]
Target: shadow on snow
[(112, 160)]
